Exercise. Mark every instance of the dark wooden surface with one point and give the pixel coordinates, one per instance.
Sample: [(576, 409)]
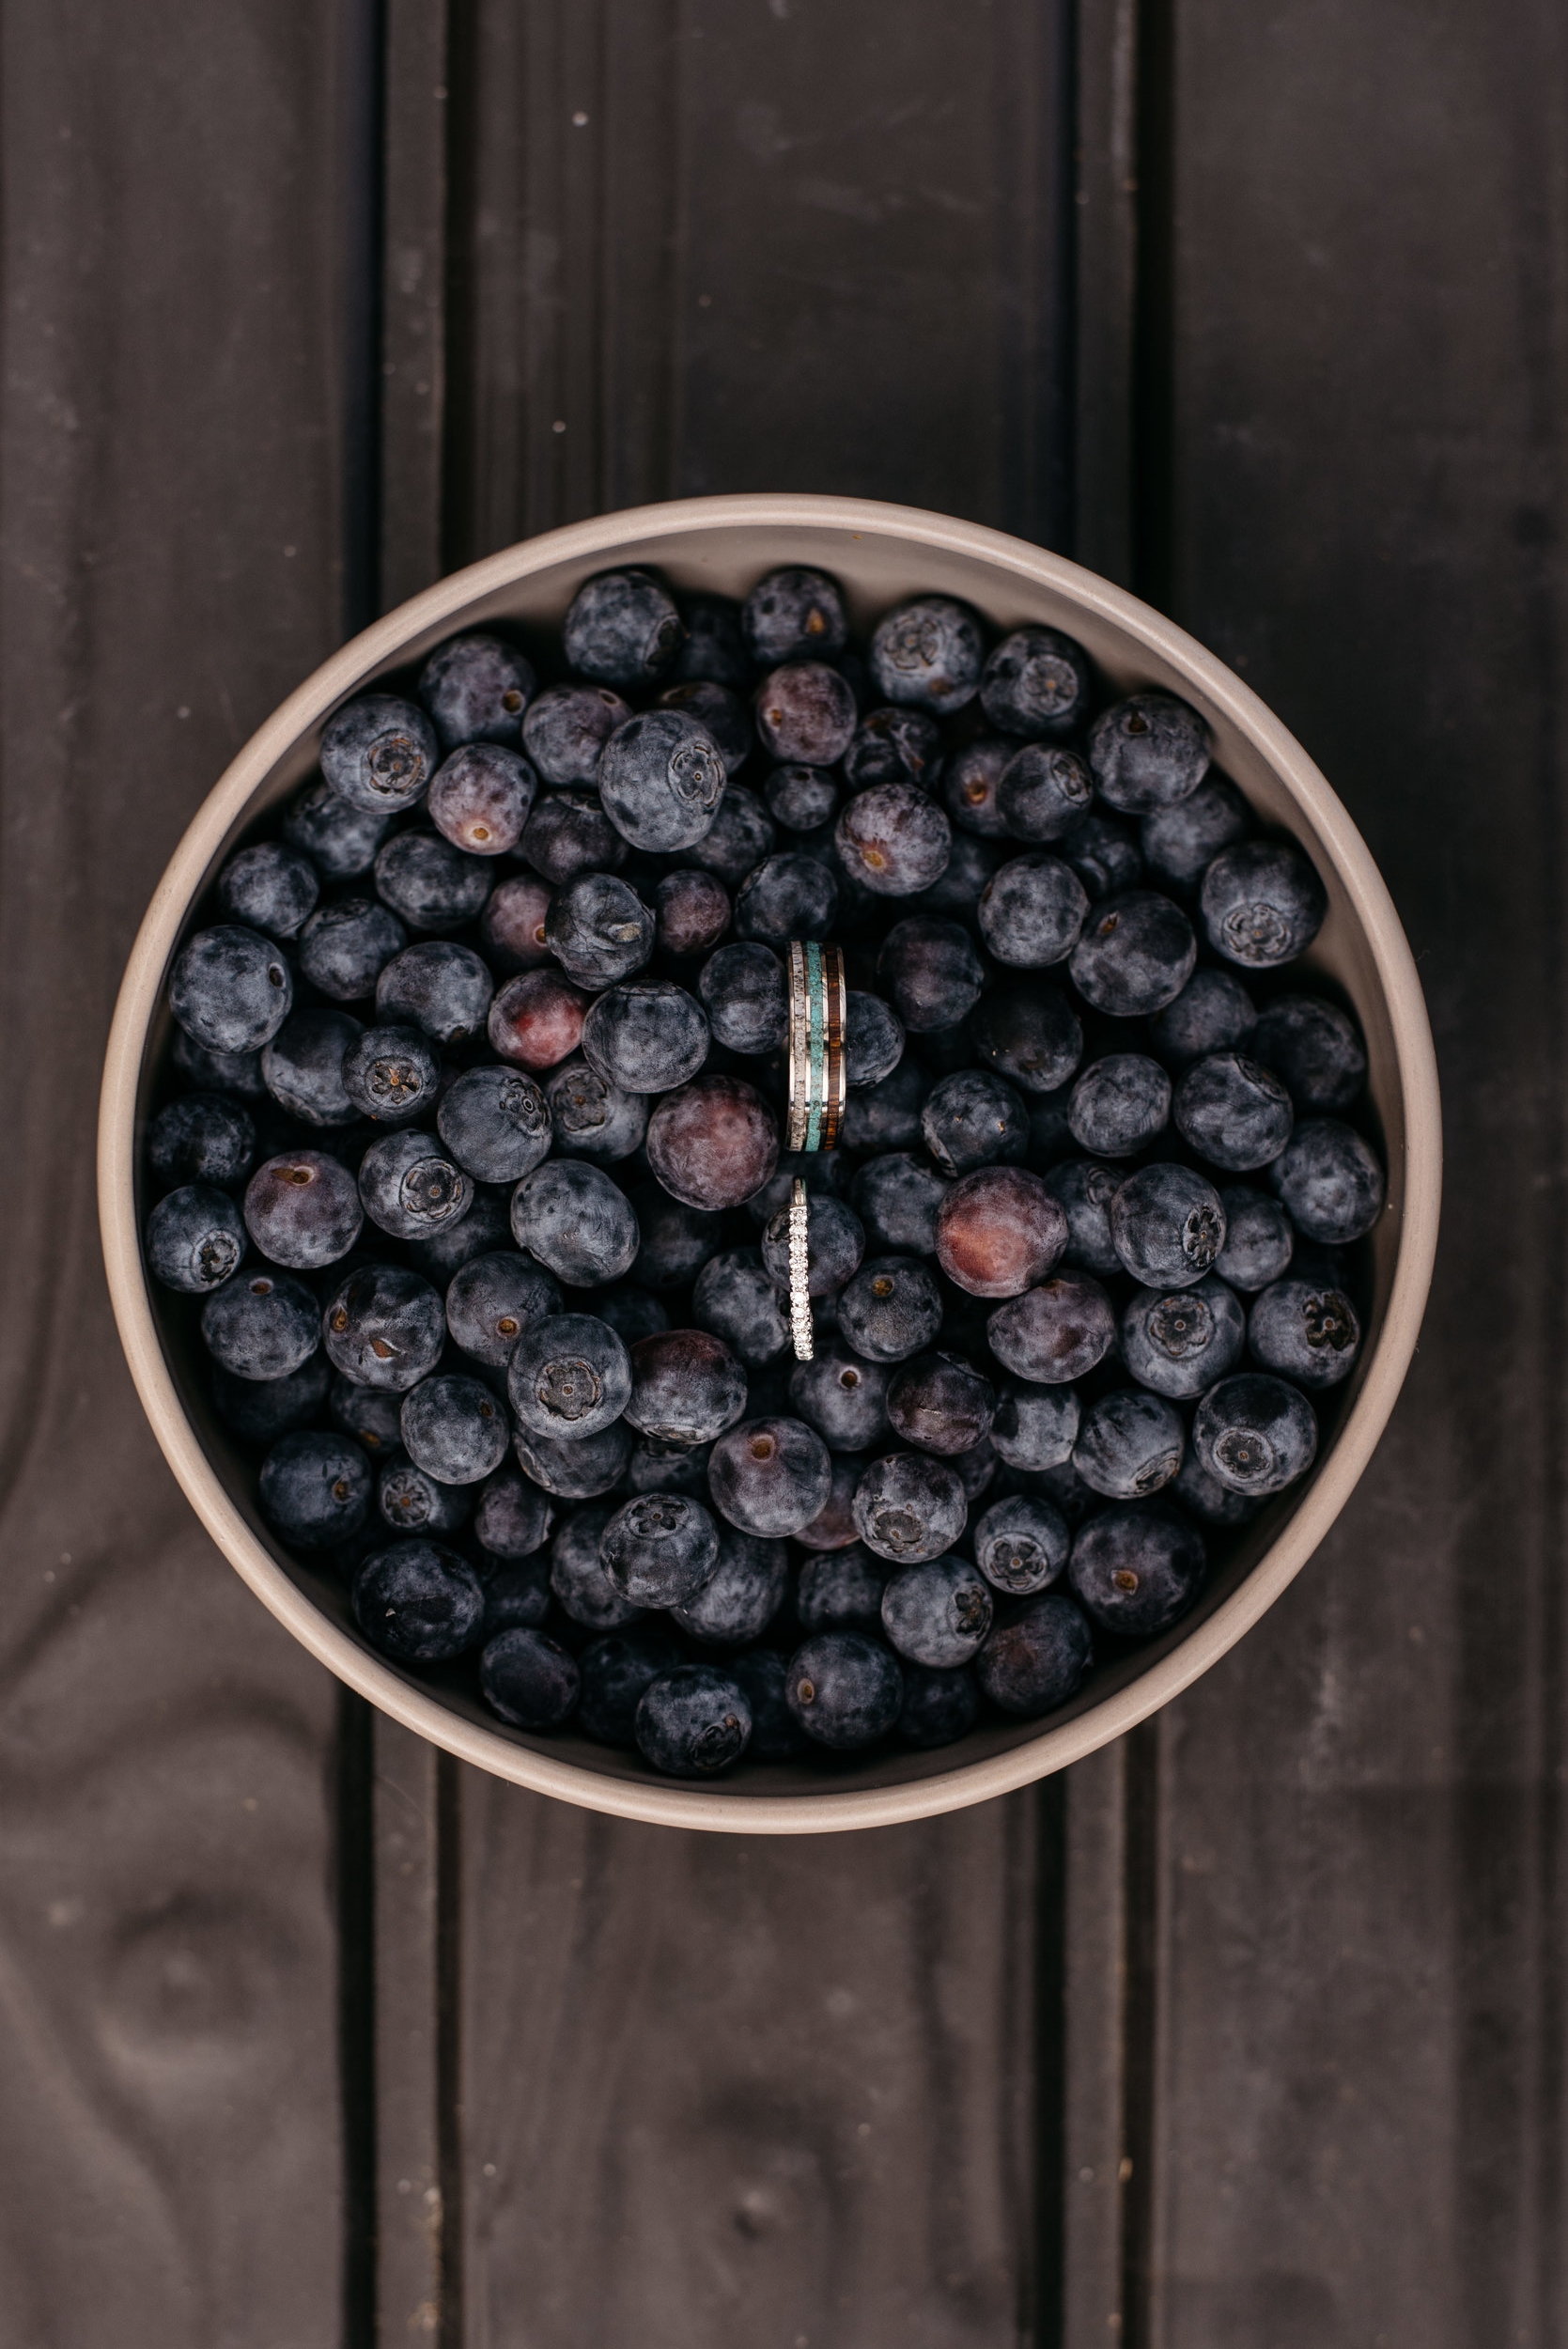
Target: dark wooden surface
[(1245, 2035)]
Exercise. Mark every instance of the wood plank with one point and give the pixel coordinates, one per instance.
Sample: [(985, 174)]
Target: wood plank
[(1358, 2111), (722, 2089), (172, 468)]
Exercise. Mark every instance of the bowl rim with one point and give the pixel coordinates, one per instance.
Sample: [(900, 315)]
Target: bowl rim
[(673, 1803)]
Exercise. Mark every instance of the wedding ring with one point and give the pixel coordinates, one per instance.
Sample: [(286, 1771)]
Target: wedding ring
[(818, 1011), (799, 1291)]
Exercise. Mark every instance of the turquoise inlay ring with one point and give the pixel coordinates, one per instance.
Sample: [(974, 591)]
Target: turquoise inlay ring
[(817, 1011)]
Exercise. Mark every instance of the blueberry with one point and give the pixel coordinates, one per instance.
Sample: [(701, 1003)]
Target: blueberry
[(410, 1188), (937, 1613), (786, 897), (1168, 1225), (844, 1689), (941, 1404), (443, 989), (600, 930), (1056, 1333), (1254, 1434), (939, 1706), (686, 1387), (835, 1243), (734, 1297), (873, 1040), (302, 1066), (1210, 1501), (516, 1597), (391, 1074), (1022, 1544), (1036, 682), (1035, 1659), (565, 730), (340, 841), (647, 1038), (894, 746), (693, 1721), (1148, 752), (270, 888), (1134, 957), (691, 912), (303, 1210), (886, 1116), (713, 1144), (719, 712), (1305, 1332), (631, 1312), (259, 1410), (930, 974), (592, 1118), (770, 1476), (929, 652), (1261, 903), (743, 992), (379, 753), (793, 613), (622, 628), (575, 1220), (488, 1226), (999, 1231), (1137, 1568), (1119, 1104), (569, 833), (475, 689), (1129, 1443), (1103, 852), (973, 1119), (261, 1325), (315, 1489), (345, 947), (1313, 1049), (844, 1399), (896, 1198), (493, 1299), (202, 1138), (481, 798), (218, 1072), (537, 1019), (1030, 1035), (741, 1596), (1031, 912), (374, 1420), (893, 839), (577, 1574), (1035, 1427), (838, 1588), (1233, 1112), (575, 1468), (910, 1507), (1084, 1188), (660, 1549), (1179, 843), (495, 1123), (1329, 1181), (428, 883), (1178, 1342), (740, 836), (413, 1502), (1258, 1238), (569, 1377), (615, 1673), (230, 989), (384, 1327), (528, 1678), (892, 1309), (1213, 1013), (1042, 793), (513, 1517), (195, 1238), (661, 778), (677, 1241), (714, 645), (658, 1467), (972, 783)]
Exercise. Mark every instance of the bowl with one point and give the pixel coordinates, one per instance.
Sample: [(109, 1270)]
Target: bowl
[(880, 554)]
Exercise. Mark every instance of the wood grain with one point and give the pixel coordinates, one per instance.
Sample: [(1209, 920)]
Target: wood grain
[(172, 479), (1358, 2111)]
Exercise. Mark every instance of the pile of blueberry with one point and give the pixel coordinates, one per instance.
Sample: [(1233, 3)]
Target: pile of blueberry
[(469, 1166)]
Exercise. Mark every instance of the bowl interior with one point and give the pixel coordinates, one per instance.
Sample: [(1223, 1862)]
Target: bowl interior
[(879, 555)]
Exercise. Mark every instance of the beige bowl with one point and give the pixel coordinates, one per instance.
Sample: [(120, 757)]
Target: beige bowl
[(880, 554)]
